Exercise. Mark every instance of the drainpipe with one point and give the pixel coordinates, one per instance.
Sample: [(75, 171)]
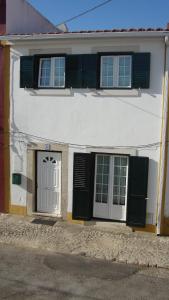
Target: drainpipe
[(163, 145)]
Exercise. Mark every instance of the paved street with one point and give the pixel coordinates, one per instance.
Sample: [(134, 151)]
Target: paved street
[(110, 241), (36, 274)]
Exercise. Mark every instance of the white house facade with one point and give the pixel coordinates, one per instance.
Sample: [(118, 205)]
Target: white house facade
[(88, 123)]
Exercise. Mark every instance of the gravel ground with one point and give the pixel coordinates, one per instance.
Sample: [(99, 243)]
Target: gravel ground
[(115, 242)]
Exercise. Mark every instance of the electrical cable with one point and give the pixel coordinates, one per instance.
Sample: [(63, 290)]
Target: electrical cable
[(156, 144), (85, 12), (32, 136)]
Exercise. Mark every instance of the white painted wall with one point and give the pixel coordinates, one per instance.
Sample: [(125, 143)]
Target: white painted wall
[(83, 117), (23, 18)]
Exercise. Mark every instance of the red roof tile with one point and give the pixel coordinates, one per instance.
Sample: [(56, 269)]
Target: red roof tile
[(102, 31)]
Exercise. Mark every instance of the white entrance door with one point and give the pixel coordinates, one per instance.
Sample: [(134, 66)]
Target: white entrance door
[(111, 178), (49, 182)]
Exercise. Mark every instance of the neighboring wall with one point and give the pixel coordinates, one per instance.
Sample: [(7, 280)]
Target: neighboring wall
[(1, 129), (18, 16), (89, 117)]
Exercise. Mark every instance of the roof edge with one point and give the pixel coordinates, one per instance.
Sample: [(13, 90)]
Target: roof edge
[(84, 34)]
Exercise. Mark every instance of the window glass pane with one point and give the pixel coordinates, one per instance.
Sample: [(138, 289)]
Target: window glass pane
[(116, 171), (98, 197), (115, 200), (124, 71), (107, 71), (117, 161), (127, 71), (110, 71), (105, 179), (128, 61), (105, 189), (99, 179), (123, 181), (106, 169), (122, 191), (106, 159), (122, 200), (104, 81), (116, 190), (98, 188), (99, 169), (45, 65), (124, 81), (59, 72), (104, 198), (121, 71), (116, 180), (123, 171), (124, 161), (100, 159)]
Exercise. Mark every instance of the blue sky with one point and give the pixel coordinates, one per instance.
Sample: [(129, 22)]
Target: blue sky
[(116, 14)]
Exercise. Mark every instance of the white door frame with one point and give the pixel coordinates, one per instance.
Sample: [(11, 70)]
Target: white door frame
[(56, 212)]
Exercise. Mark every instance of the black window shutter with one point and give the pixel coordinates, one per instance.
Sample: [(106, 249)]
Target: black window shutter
[(27, 72), (141, 70), (74, 71), (90, 63), (137, 191), (83, 183)]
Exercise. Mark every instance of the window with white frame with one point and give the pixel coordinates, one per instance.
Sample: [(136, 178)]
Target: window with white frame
[(115, 71), (52, 72)]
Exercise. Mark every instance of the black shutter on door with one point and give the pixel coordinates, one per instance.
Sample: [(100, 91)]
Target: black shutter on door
[(74, 71), (137, 191), (141, 70), (27, 72), (90, 63), (83, 183)]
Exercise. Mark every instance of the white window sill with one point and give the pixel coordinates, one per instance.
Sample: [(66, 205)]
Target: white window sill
[(95, 93), (119, 93), (50, 92)]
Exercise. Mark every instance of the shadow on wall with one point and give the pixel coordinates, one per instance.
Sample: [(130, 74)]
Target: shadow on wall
[(152, 191), (26, 184)]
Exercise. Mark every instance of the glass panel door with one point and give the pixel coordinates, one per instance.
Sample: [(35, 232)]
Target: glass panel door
[(111, 178), (119, 187), (101, 195)]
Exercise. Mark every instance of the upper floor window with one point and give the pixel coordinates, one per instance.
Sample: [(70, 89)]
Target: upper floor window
[(115, 71), (52, 72), (93, 71)]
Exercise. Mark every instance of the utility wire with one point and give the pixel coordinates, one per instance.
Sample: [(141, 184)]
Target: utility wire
[(85, 12), (31, 136), (18, 134)]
